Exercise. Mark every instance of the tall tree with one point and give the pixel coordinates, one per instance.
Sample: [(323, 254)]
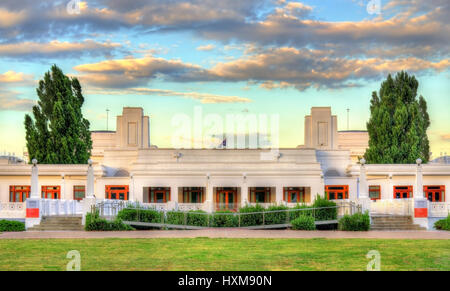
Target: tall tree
[(398, 123), (58, 134)]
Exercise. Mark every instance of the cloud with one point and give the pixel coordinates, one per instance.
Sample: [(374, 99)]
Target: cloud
[(272, 68), (57, 48), (204, 98), (123, 73), (14, 77), (208, 47), (445, 137), (10, 100)]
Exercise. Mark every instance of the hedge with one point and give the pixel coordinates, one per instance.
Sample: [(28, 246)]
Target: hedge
[(218, 219), (11, 225), (251, 219), (276, 217), (355, 222), (95, 223), (303, 222), (443, 224), (193, 218), (329, 211), (142, 215)]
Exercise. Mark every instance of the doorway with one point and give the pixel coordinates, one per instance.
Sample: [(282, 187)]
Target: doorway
[(226, 199)]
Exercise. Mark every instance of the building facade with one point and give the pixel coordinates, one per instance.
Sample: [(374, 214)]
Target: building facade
[(127, 167)]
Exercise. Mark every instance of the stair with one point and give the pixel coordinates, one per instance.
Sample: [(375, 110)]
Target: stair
[(394, 222), (59, 223)]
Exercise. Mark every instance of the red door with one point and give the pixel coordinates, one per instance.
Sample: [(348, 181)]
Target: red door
[(226, 200)]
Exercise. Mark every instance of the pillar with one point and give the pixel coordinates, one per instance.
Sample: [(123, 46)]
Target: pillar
[(33, 204), (131, 198), (279, 195), (34, 191), (363, 187), (244, 190), (90, 181), (209, 201), (420, 202)]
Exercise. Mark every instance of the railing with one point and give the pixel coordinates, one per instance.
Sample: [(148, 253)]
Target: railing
[(392, 207), (227, 206), (55, 207), (190, 206), (253, 220), (438, 209), (12, 210)]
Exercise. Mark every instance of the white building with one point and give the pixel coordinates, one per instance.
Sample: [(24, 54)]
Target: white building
[(128, 167)]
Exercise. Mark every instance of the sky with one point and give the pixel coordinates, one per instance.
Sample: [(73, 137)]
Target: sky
[(225, 57)]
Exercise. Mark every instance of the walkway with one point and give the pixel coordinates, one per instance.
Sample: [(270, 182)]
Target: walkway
[(227, 233)]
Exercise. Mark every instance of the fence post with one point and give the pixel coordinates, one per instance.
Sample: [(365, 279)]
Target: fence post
[(263, 218), (185, 220), (239, 216)]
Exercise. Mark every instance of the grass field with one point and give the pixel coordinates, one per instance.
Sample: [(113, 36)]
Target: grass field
[(224, 254)]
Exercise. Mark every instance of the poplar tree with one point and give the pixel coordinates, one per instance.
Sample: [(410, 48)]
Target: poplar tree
[(58, 134), (398, 123)]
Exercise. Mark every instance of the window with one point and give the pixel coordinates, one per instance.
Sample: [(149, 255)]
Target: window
[(375, 192), (193, 195), (117, 192), (79, 192), (51, 192), (435, 193), (260, 195), (157, 194), (295, 195), (335, 192), (19, 193), (401, 192)]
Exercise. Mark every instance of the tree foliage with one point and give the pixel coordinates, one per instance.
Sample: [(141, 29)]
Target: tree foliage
[(58, 134), (398, 123)]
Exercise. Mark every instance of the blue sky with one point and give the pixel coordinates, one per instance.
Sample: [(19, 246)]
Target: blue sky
[(228, 57)]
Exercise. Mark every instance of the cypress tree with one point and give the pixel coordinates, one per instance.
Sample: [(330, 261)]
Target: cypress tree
[(58, 134), (398, 123)]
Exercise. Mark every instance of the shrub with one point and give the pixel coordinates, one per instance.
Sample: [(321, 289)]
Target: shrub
[(326, 213), (11, 225), (251, 219), (221, 219), (304, 222), (95, 223), (175, 217), (355, 222), (443, 224), (197, 218), (141, 215), (279, 217), (300, 210)]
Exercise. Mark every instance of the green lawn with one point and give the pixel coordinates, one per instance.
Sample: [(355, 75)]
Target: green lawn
[(224, 254)]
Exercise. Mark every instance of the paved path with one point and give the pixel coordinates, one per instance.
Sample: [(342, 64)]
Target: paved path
[(227, 233)]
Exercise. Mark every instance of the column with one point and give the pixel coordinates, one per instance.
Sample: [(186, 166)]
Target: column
[(418, 193), (131, 198), (209, 201), (244, 190), (420, 202), (63, 188), (90, 181), (34, 191), (363, 187), (279, 195)]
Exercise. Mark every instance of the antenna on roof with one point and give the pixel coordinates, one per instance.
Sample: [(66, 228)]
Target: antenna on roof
[(348, 118), (107, 118)]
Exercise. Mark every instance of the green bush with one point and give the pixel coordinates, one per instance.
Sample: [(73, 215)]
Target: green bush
[(95, 223), (443, 224), (251, 219), (221, 219), (175, 217), (10, 225), (304, 222), (300, 210), (326, 213), (197, 218), (279, 217), (141, 215), (355, 222)]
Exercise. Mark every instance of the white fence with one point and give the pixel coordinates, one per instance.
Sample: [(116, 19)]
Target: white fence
[(56, 207), (12, 210), (438, 209), (190, 206), (392, 207)]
